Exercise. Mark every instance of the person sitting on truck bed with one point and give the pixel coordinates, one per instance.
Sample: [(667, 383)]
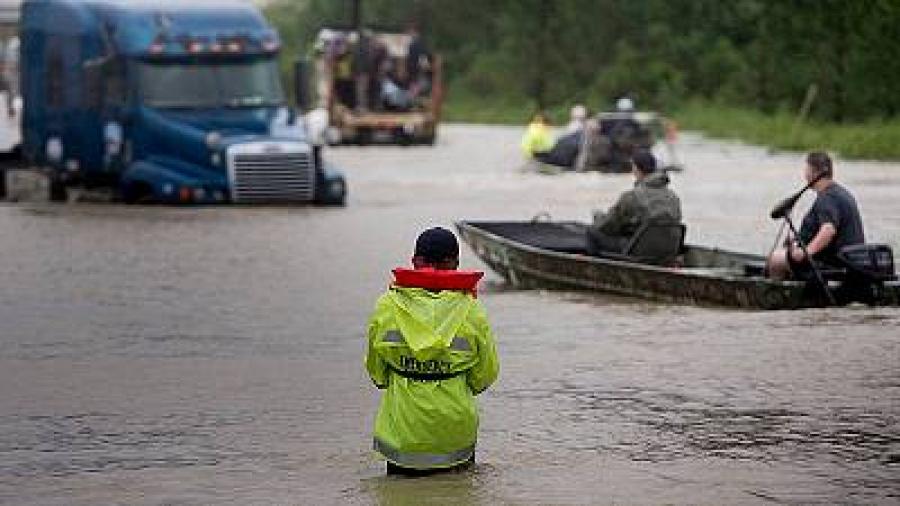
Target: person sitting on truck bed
[(420, 86), (393, 96), (650, 201)]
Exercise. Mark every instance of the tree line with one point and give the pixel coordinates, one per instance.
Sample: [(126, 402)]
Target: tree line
[(767, 55)]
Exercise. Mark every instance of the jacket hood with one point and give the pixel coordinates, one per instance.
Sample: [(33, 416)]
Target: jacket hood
[(655, 180), (429, 320)]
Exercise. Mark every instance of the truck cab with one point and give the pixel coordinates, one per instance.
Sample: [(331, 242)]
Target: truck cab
[(165, 102)]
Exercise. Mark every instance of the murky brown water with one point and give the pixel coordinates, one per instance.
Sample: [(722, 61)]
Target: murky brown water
[(213, 356)]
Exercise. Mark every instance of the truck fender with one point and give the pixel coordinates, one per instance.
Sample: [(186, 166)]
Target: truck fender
[(161, 180), (331, 186)]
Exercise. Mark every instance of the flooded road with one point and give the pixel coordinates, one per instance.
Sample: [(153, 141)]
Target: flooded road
[(214, 355)]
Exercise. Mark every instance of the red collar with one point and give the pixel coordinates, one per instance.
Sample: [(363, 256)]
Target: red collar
[(432, 279)]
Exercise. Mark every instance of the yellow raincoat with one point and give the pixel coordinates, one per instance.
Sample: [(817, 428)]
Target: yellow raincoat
[(432, 352), (537, 139)]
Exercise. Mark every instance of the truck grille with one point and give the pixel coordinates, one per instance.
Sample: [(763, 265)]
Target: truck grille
[(272, 177)]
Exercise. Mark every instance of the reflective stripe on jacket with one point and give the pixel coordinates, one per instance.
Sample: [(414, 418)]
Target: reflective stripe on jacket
[(432, 352)]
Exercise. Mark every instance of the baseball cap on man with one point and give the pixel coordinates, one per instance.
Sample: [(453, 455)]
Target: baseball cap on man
[(436, 245), (645, 161), (625, 104)]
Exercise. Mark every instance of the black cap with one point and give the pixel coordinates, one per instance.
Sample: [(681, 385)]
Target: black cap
[(645, 161), (436, 245)]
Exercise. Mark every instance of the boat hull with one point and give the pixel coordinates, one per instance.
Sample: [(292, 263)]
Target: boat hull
[(709, 277)]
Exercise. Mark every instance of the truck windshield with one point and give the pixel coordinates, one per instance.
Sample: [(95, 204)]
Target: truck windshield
[(181, 85)]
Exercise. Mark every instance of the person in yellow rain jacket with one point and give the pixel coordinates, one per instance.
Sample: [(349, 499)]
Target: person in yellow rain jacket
[(538, 138), (431, 349)]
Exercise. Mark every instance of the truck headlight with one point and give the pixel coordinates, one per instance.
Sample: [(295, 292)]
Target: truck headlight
[(213, 140)]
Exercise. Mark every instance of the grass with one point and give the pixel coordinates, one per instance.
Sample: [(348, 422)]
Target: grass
[(871, 140), (878, 140), (470, 108), (461, 108)]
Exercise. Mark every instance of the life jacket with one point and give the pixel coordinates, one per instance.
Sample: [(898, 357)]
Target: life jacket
[(435, 279)]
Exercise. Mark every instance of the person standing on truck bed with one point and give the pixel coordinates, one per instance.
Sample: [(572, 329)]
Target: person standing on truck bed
[(342, 68), (362, 68), (417, 63), (380, 64), (431, 349)]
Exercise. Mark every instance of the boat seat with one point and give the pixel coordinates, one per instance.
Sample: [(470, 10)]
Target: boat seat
[(755, 268), (561, 236), (656, 243)]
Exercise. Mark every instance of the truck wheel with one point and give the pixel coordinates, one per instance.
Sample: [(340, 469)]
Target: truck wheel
[(137, 193), (400, 137), (333, 136), (334, 195), (57, 190), (2, 184), (364, 136)]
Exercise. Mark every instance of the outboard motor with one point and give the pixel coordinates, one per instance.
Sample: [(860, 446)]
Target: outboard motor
[(874, 262), (868, 266)]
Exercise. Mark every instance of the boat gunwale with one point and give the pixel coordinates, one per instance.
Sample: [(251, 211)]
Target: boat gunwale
[(471, 226)]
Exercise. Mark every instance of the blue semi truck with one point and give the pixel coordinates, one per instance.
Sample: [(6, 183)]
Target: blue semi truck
[(172, 102)]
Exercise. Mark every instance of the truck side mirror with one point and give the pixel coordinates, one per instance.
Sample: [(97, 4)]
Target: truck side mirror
[(302, 93)]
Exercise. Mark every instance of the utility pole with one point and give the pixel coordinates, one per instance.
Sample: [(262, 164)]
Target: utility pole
[(539, 85), (357, 15)]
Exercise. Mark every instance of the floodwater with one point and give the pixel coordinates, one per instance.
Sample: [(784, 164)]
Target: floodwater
[(153, 355)]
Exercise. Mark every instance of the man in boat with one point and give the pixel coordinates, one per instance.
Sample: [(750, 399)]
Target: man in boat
[(610, 139), (577, 116), (564, 152), (538, 138), (623, 126), (832, 223), (431, 349), (651, 201)]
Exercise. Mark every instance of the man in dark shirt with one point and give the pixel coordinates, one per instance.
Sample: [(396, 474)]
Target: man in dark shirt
[(832, 223)]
